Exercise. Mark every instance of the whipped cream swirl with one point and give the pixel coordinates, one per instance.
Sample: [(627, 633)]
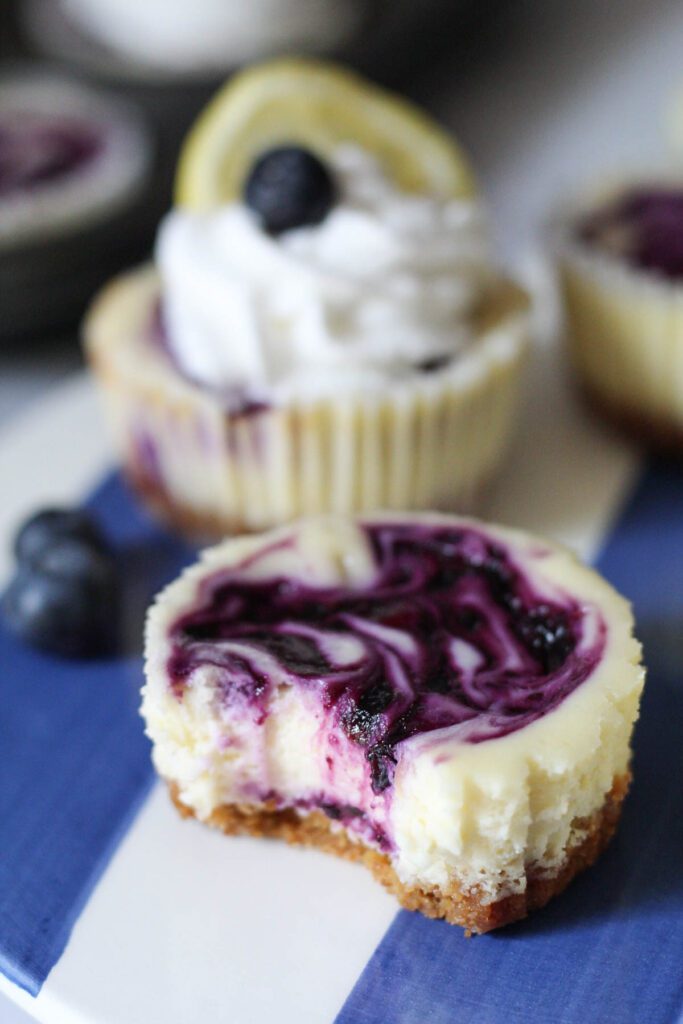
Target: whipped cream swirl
[(385, 286)]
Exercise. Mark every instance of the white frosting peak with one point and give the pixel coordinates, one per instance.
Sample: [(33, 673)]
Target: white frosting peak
[(385, 282)]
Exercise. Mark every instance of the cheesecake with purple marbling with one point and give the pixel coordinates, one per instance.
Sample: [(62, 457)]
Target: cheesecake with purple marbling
[(70, 159), (620, 259), (450, 702)]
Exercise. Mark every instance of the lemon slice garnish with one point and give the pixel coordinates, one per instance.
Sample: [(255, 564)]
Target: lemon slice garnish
[(320, 106)]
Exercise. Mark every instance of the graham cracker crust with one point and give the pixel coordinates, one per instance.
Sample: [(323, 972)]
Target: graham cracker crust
[(659, 433), (456, 905)]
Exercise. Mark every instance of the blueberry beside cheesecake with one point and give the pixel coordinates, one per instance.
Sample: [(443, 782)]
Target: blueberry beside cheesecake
[(449, 702), (64, 597)]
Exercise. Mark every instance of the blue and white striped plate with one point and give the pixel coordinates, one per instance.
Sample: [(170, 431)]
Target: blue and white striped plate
[(113, 911)]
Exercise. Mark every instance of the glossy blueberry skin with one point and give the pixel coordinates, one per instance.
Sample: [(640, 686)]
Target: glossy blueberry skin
[(41, 530), (64, 596), (61, 615), (289, 187)]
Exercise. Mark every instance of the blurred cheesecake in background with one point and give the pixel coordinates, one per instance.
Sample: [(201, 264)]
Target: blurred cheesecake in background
[(168, 40), (212, 34), (325, 328), (170, 57), (619, 251), (73, 169)]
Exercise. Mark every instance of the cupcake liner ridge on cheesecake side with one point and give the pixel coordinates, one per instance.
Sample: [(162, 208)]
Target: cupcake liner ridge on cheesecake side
[(325, 330)]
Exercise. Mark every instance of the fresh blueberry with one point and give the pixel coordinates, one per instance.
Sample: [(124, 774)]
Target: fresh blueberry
[(39, 533), (72, 558), (547, 635), (382, 763), (376, 698), (289, 187), (65, 598)]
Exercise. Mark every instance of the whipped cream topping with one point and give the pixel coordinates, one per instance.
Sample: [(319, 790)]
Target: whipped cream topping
[(385, 286)]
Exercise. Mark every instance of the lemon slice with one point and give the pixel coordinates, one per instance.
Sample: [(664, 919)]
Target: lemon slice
[(320, 106)]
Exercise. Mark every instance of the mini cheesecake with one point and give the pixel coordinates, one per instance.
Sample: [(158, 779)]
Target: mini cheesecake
[(74, 176), (620, 258), (450, 703)]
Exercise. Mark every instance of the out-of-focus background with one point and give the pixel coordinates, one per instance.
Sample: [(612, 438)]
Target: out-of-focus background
[(542, 96)]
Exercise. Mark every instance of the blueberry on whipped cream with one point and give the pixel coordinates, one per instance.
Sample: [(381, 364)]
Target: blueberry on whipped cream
[(328, 279), (451, 702), (64, 595), (289, 187), (643, 226)]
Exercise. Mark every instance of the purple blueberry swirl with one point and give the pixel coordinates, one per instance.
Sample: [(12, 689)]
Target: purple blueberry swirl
[(643, 226), (451, 631), (37, 151)]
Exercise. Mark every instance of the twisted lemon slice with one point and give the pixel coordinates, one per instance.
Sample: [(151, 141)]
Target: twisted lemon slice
[(320, 106)]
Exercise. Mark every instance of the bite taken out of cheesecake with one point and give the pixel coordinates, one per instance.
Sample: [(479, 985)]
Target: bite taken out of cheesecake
[(449, 702)]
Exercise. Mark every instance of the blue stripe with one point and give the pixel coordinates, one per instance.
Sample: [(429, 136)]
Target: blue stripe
[(75, 768), (610, 950), (74, 760)]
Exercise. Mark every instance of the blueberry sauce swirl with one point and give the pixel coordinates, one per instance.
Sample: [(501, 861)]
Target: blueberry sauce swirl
[(451, 632), (37, 151), (644, 226)]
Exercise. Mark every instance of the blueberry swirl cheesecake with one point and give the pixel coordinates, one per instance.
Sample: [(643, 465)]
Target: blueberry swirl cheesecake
[(449, 702), (74, 165), (620, 255), (323, 329), (69, 156)]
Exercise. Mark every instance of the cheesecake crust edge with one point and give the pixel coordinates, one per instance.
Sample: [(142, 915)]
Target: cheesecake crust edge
[(454, 904)]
